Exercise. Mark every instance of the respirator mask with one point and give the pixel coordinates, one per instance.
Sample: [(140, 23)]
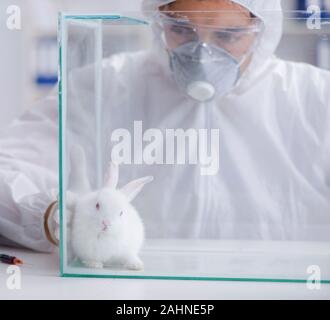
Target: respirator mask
[(206, 60)]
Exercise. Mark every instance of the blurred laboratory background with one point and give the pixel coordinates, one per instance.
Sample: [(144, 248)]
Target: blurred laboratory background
[(28, 61)]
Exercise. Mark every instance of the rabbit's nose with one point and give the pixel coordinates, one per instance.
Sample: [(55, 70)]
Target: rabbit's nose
[(105, 225)]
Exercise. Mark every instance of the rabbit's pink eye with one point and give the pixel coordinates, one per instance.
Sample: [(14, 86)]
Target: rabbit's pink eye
[(97, 206)]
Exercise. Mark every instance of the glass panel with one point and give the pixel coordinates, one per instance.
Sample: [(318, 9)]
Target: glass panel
[(237, 142)]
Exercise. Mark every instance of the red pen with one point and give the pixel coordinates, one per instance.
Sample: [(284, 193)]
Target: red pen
[(10, 260)]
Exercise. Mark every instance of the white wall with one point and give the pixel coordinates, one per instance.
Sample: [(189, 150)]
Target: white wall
[(16, 55), (11, 67)]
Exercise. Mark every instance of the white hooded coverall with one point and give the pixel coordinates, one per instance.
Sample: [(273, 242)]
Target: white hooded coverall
[(274, 176)]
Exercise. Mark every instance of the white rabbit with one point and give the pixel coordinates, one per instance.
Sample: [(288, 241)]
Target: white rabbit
[(106, 229)]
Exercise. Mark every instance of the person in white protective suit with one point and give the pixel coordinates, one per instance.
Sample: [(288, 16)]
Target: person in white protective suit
[(273, 116)]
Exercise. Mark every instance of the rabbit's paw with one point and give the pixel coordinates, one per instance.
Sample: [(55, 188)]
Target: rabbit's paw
[(93, 264), (134, 264)]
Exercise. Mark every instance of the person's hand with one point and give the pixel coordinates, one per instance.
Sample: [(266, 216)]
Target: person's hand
[(52, 223), (39, 214), (52, 218)]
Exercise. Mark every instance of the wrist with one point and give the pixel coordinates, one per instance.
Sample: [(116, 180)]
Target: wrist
[(49, 223)]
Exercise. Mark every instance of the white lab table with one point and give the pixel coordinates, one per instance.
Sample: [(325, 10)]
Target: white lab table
[(40, 280)]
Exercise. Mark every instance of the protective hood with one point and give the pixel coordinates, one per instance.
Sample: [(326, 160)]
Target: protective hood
[(269, 11)]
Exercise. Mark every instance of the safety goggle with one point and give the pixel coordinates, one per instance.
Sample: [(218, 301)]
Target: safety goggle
[(236, 39)]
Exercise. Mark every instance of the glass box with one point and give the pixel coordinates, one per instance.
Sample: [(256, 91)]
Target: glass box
[(161, 183)]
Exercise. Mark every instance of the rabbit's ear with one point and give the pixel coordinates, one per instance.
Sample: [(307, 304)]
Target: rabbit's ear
[(78, 181), (132, 189), (112, 177), (71, 199)]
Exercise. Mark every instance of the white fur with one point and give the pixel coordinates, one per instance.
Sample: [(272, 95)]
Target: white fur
[(106, 228)]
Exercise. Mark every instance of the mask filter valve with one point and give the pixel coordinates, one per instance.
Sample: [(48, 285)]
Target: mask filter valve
[(201, 91)]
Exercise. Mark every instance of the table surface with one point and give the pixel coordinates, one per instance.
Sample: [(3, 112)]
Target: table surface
[(40, 280)]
